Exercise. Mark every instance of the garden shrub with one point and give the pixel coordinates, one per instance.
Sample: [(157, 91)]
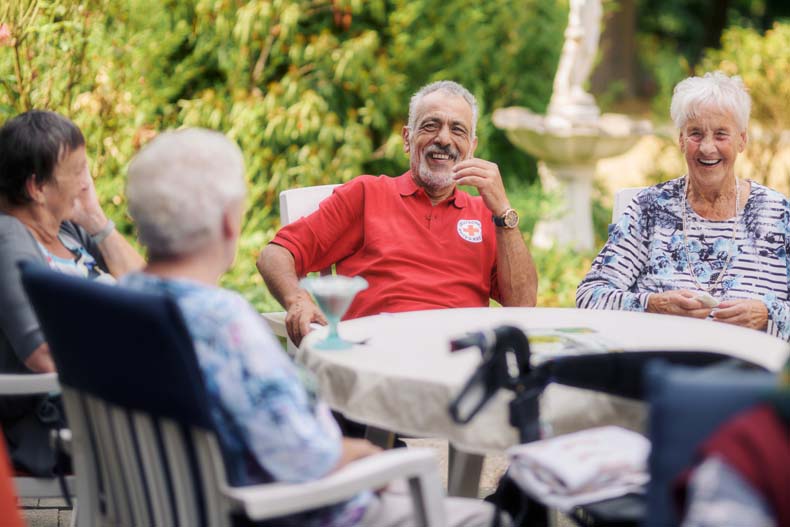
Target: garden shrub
[(313, 91), (763, 61)]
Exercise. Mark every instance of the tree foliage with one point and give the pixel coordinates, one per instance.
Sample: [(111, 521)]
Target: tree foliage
[(764, 64), (313, 91)]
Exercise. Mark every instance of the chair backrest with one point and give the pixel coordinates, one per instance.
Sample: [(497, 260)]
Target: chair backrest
[(143, 439), (622, 199), (686, 407), (298, 202)]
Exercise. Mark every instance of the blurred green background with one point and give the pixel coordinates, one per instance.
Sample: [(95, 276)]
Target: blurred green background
[(317, 91)]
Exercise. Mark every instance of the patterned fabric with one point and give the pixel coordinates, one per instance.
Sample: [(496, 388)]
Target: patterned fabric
[(271, 426), (83, 265), (646, 254), (720, 497)]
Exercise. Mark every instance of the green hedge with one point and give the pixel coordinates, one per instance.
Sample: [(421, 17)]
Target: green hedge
[(313, 91)]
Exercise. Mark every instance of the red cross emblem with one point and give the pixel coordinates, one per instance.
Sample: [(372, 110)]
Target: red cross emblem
[(470, 230)]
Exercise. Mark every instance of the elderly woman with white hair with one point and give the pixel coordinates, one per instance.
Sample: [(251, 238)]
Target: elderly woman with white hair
[(186, 194), (707, 244)]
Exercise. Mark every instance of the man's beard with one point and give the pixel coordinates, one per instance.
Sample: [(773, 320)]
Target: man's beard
[(436, 180)]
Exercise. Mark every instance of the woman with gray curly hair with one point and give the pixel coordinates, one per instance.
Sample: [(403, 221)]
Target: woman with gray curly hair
[(708, 244), (186, 194)]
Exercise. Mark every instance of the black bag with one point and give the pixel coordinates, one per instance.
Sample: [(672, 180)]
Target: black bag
[(29, 436)]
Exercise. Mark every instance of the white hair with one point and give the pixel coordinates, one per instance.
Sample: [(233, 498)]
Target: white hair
[(179, 186), (713, 89), (449, 87)]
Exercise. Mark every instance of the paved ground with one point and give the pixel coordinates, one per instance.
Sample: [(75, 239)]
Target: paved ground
[(46, 513)]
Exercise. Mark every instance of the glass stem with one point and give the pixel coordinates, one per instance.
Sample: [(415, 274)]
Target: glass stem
[(333, 334)]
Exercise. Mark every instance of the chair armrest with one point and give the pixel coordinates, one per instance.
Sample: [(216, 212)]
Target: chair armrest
[(28, 383), (276, 321), (278, 499)]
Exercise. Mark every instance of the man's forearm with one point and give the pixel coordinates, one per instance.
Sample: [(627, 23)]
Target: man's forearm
[(276, 265), (516, 274)]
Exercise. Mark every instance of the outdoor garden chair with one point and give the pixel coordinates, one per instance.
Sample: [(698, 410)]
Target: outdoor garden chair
[(144, 444), (296, 203), (622, 199), (686, 406)]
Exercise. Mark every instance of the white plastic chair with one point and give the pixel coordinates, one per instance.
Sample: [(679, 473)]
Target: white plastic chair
[(30, 487), (296, 203), (144, 441), (622, 199)]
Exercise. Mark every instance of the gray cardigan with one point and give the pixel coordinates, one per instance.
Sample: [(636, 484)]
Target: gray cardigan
[(20, 333)]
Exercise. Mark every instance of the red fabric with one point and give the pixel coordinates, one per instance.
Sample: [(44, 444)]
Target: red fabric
[(8, 509), (412, 254), (757, 445)]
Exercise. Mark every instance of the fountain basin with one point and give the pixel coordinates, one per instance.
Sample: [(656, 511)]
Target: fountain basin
[(559, 141), (570, 150)]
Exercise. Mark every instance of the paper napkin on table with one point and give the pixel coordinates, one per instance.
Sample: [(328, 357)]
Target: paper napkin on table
[(581, 467)]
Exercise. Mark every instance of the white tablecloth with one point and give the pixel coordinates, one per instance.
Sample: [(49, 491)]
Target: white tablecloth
[(403, 376)]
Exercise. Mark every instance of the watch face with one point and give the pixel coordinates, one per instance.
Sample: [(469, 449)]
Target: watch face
[(510, 218)]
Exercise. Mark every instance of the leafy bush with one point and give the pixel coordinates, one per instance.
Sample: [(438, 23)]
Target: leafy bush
[(764, 64), (314, 91)]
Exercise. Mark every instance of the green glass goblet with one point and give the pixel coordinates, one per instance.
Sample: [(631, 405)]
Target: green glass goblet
[(333, 294)]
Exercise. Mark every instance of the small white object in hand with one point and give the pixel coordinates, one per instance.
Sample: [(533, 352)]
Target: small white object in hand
[(707, 299)]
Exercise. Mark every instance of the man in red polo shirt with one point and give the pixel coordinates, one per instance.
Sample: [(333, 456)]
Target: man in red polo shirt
[(419, 241)]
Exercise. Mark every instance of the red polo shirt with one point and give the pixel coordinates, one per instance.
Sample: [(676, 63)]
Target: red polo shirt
[(413, 255)]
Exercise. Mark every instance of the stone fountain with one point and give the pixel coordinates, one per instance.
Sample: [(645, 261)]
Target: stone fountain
[(573, 135)]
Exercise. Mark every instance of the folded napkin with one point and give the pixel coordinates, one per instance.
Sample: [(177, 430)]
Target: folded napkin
[(581, 467)]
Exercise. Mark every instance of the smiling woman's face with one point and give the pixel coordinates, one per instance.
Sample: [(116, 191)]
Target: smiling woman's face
[(711, 142)]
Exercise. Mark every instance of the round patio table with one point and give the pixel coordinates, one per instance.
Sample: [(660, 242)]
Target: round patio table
[(401, 376)]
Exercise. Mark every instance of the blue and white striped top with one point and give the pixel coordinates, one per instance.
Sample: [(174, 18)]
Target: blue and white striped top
[(646, 254)]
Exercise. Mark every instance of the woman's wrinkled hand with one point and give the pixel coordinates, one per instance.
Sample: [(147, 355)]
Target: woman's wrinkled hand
[(747, 313), (680, 302), (88, 213)]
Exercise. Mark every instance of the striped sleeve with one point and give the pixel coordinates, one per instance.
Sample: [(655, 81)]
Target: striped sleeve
[(610, 282), (779, 310)]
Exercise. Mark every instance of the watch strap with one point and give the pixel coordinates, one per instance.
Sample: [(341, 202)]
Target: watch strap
[(102, 234)]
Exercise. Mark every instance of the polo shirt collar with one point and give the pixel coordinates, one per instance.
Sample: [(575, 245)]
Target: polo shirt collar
[(407, 187)]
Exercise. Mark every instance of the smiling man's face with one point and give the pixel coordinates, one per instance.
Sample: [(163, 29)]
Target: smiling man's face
[(442, 136), (711, 143)]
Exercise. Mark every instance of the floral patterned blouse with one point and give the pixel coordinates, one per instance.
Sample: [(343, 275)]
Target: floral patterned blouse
[(646, 253), (269, 422)]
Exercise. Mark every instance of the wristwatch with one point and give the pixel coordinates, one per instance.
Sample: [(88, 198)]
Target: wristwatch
[(508, 219), (102, 234)]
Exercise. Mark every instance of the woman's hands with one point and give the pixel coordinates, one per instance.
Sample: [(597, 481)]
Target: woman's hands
[(680, 302), (746, 313)]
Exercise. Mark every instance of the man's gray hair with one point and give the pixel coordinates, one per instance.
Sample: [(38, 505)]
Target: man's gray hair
[(712, 89), (179, 186), (449, 87)]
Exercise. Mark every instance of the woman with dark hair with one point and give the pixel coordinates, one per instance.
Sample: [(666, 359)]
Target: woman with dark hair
[(49, 213)]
